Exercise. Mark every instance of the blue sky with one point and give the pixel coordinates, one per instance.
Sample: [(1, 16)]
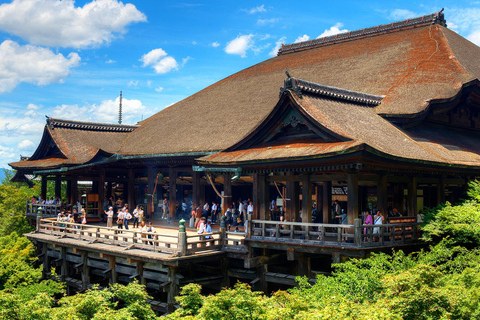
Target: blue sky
[(70, 59)]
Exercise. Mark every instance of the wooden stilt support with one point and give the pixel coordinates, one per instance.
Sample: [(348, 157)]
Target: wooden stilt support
[(327, 201)]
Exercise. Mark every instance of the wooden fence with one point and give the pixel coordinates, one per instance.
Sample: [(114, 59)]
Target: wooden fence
[(356, 235)]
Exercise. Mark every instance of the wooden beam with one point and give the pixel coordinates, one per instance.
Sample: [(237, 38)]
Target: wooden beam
[(412, 197), (196, 188), (227, 192), (293, 209), (260, 196), (76, 250)]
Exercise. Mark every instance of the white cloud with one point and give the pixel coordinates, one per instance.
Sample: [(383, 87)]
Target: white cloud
[(149, 83), (465, 21), (240, 45), (60, 24), (302, 38), (402, 14), (153, 56), (32, 106), (166, 65), (266, 21), (159, 89), (26, 145), (160, 61), (215, 44), (110, 61), (106, 111), (133, 83), (256, 9), (277, 47), (335, 29), (31, 64), (7, 155), (194, 43), (185, 60)]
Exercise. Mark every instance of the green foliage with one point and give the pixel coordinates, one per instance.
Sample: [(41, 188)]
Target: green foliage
[(190, 300)]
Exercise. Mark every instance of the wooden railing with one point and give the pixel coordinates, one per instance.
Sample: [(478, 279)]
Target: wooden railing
[(356, 235), (179, 243), (46, 210)]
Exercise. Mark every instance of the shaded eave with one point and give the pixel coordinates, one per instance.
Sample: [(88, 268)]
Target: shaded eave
[(443, 105), (118, 157)]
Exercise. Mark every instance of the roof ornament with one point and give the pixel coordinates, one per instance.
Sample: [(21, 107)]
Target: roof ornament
[(290, 83)]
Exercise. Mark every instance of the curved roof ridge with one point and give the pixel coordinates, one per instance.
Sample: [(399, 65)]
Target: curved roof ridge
[(299, 86), (434, 18), (89, 126)]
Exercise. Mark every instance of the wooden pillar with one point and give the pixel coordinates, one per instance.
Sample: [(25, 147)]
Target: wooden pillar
[(327, 200), (261, 196), (306, 198), (293, 209), (64, 266), (131, 189), (441, 190), (196, 188), (227, 191), (412, 198), (172, 290), (58, 187), (318, 196), (68, 196), (172, 194), (140, 272), (382, 194), (111, 265), (352, 184), (46, 262), (85, 273), (74, 195), (101, 193), (304, 265), (151, 185), (43, 190)]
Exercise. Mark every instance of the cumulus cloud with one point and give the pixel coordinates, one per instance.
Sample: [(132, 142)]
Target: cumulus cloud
[(32, 64), (215, 44), (335, 29), (7, 155), (256, 9), (106, 111), (159, 89), (277, 47), (302, 38), (402, 14), (26, 145), (60, 24), (32, 106), (240, 45), (160, 61)]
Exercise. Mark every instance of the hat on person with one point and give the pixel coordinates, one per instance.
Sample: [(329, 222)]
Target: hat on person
[(110, 207)]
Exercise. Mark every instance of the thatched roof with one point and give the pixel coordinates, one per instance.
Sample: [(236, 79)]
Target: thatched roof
[(409, 65), (69, 143)]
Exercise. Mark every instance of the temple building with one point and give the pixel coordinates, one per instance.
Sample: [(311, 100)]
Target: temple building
[(379, 118)]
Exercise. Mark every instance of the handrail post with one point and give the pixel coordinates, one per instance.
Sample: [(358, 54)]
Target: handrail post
[(39, 217), (249, 229), (358, 232), (182, 239), (223, 232)]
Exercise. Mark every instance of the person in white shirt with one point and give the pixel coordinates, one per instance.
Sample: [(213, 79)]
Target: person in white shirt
[(214, 212), (120, 219), (201, 228), (135, 217), (109, 214)]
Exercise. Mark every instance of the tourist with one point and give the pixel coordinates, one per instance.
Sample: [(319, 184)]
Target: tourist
[(136, 222), (250, 210), (235, 217), (368, 221), (109, 214), (214, 212), (208, 229), (128, 216), (342, 217), (84, 218), (228, 218), (272, 210), (165, 208), (150, 230), (141, 216), (395, 213), (206, 210), (120, 219), (198, 215), (201, 227), (337, 210), (377, 220)]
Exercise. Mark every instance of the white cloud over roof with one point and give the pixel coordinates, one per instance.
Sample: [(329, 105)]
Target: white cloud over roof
[(240, 45), (61, 24), (335, 29)]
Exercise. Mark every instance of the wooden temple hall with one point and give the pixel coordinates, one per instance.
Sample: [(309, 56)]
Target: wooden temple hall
[(379, 118)]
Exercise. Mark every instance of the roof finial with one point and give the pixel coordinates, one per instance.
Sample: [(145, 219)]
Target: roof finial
[(120, 109), (287, 73)]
